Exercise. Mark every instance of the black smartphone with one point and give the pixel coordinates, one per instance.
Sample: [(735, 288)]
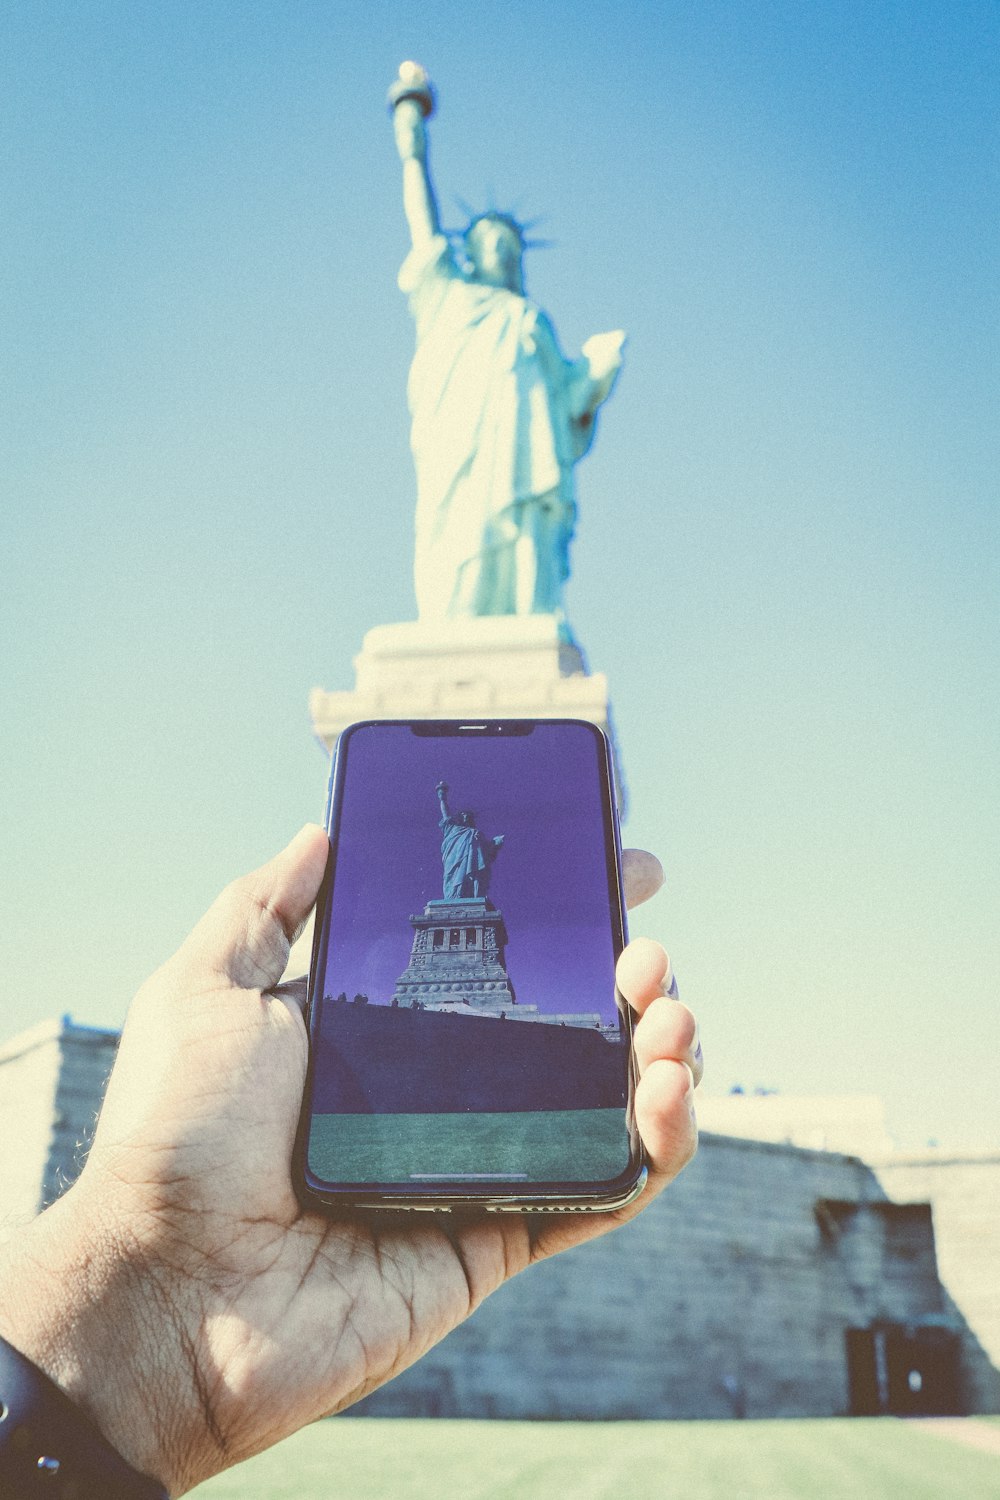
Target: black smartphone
[(468, 1046)]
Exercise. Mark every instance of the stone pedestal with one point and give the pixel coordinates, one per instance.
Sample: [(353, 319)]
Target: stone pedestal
[(458, 964), (505, 667), (457, 960)]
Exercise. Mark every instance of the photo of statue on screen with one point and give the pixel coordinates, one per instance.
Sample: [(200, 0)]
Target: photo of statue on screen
[(466, 855)]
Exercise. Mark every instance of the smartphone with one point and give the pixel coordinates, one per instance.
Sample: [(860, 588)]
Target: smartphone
[(468, 1046)]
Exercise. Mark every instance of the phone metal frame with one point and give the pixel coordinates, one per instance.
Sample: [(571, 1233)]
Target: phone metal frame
[(585, 1197)]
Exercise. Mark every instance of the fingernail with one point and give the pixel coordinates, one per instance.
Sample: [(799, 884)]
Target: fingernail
[(689, 1100), (306, 832), (668, 986)]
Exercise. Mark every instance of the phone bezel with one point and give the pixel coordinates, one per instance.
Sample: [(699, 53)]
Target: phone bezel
[(489, 1196)]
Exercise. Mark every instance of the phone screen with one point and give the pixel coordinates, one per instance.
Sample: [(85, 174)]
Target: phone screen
[(464, 1019)]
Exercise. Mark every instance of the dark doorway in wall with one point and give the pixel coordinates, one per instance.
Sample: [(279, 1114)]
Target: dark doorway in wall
[(900, 1371)]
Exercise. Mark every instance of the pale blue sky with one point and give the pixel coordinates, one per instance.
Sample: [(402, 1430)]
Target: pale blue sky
[(788, 552)]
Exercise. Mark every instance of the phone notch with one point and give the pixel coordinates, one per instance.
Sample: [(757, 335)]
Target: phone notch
[(443, 728)]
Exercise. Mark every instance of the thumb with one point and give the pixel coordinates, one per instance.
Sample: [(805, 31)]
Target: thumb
[(245, 935)]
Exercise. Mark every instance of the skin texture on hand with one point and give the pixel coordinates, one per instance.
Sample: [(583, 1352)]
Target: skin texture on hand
[(181, 1294)]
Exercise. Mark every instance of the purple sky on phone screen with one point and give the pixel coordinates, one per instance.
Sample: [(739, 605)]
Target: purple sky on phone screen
[(542, 792)]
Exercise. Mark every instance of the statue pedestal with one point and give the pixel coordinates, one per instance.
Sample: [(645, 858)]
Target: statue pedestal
[(502, 666), (457, 960)]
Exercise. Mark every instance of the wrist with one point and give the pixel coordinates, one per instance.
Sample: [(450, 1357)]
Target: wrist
[(48, 1447), (68, 1300)]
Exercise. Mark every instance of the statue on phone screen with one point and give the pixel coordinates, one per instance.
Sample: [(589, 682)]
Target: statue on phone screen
[(500, 416), (466, 856)]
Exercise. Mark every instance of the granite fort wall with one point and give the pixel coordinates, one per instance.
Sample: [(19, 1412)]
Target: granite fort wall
[(731, 1295), (29, 1072), (427, 1061), (965, 1193), (52, 1080)]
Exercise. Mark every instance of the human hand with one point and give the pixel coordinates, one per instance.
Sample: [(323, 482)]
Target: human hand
[(180, 1293)]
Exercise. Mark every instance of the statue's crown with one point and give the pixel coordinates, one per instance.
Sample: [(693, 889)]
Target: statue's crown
[(497, 216), (520, 228)]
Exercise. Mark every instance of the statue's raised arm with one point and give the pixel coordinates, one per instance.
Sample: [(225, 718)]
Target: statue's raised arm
[(411, 101), (466, 854)]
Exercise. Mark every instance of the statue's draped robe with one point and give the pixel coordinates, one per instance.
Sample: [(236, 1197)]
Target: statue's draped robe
[(466, 857), (494, 442)]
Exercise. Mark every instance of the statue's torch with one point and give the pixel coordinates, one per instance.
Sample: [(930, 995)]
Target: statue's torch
[(413, 83)]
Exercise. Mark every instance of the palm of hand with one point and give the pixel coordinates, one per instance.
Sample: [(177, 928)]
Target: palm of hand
[(278, 1316), (248, 1315)]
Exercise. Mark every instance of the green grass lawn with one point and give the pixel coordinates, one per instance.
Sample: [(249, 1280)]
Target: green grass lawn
[(557, 1145), (382, 1459)]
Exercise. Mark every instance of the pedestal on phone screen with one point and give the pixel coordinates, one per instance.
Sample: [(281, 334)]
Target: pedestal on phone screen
[(457, 961)]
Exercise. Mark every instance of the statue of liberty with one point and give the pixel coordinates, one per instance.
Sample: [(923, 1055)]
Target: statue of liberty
[(466, 856), (500, 416)]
